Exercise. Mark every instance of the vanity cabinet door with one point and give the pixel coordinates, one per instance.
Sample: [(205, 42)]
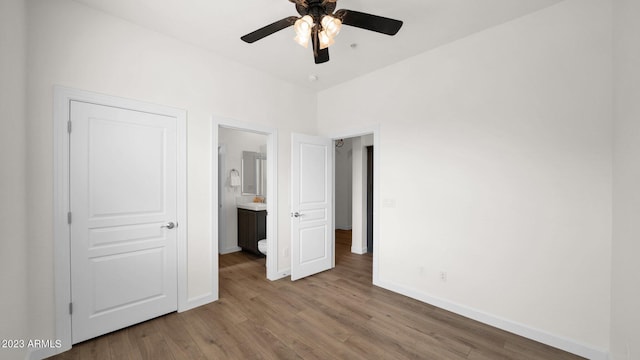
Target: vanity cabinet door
[(261, 226), (246, 229), (252, 227)]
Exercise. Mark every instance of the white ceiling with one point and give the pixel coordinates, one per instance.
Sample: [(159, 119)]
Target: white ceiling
[(217, 25)]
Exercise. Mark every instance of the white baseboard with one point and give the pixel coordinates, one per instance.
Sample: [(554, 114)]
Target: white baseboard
[(199, 301), (538, 335), (280, 275), (229, 250), (39, 354), (359, 251)]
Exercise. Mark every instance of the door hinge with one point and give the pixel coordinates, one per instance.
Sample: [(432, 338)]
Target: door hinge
[(70, 308), (69, 218), (69, 127)]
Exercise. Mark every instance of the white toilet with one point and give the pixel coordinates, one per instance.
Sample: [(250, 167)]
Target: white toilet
[(262, 246)]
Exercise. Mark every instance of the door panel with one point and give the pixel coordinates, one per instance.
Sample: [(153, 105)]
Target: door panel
[(312, 196), (313, 169), (123, 272), (123, 159), (123, 192), (312, 246)]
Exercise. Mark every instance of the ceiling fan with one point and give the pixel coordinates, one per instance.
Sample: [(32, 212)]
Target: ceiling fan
[(319, 24)]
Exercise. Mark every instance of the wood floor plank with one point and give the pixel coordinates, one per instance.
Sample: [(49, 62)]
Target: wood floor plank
[(337, 314), (337, 330), (180, 343), (120, 347), (211, 337), (149, 341), (227, 311), (303, 346), (415, 341), (98, 349), (262, 342)]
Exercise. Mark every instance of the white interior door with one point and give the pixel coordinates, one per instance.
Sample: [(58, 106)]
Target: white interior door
[(311, 205), (123, 202)]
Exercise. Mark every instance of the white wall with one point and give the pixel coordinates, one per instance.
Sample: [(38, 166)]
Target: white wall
[(343, 187), (13, 216), (495, 160), (236, 142), (75, 46), (625, 328)]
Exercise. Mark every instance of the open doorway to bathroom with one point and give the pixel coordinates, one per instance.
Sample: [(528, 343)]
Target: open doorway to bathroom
[(244, 179), (242, 191)]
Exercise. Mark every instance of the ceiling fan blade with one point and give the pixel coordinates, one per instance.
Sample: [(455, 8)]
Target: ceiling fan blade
[(369, 22), (269, 29), (319, 55)]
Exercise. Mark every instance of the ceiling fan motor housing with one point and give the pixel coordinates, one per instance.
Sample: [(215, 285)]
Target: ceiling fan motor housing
[(316, 9)]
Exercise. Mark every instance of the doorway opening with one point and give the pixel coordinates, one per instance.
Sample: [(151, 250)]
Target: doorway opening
[(365, 214), (354, 193), (313, 202), (242, 162), (230, 139)]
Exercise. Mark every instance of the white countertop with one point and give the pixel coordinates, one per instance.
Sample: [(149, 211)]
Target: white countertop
[(253, 206)]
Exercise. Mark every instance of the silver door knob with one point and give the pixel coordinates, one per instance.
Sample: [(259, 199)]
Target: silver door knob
[(168, 225), (296, 214)]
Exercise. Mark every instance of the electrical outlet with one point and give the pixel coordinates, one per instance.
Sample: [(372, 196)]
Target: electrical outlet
[(443, 275)]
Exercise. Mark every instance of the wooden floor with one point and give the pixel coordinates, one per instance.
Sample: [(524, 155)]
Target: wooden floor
[(337, 314)]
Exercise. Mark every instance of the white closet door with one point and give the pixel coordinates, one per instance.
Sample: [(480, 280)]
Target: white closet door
[(123, 197)]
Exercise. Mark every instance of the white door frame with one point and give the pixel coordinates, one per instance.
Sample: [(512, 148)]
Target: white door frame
[(222, 169), (61, 234), (375, 130), (272, 184)]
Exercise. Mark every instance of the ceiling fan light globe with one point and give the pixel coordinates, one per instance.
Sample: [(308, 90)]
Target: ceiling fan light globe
[(331, 25), (302, 40), (303, 25), (302, 28), (325, 39)]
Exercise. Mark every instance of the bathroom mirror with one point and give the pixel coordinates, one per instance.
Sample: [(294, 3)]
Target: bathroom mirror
[(254, 172)]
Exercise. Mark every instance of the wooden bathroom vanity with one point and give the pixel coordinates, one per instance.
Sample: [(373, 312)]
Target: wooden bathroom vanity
[(252, 227)]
